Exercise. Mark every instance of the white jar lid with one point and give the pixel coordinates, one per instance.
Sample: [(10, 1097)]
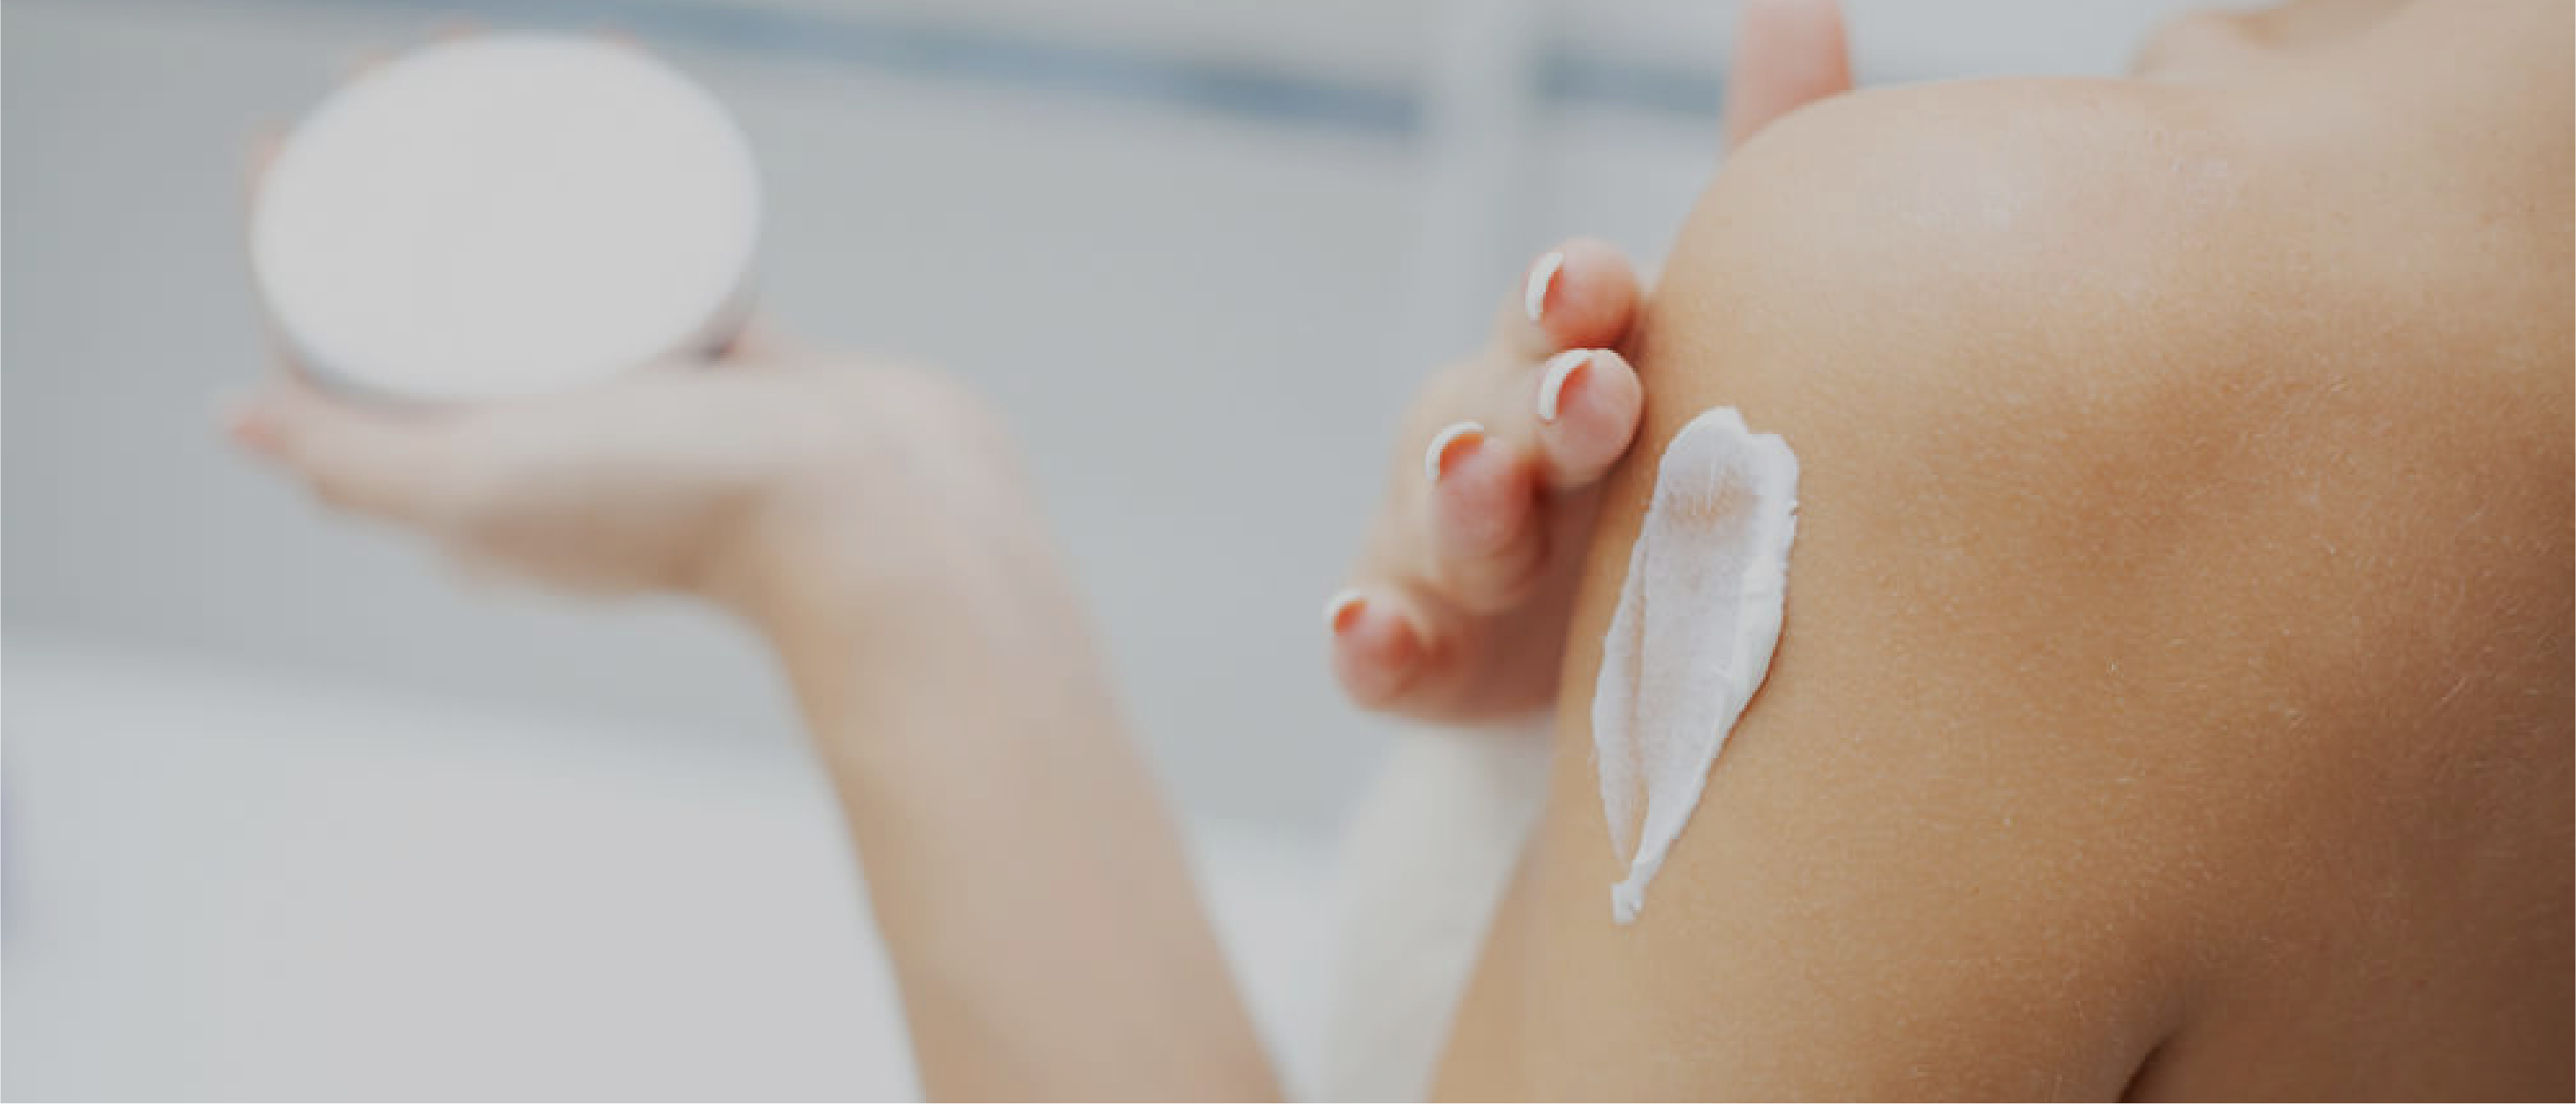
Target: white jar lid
[(504, 215)]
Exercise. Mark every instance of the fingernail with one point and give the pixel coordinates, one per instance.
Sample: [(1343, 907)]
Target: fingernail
[(1344, 609), (1541, 277), (1444, 450), (1551, 384)]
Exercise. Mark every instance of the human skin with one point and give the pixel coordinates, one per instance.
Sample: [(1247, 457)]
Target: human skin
[(1457, 609), (2175, 696), (2175, 673), (870, 522)]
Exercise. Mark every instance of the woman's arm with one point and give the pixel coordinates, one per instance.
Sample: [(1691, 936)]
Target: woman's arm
[(1031, 887), (872, 525)]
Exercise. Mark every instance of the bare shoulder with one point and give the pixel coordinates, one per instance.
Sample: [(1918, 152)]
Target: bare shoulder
[(2115, 353), (2179, 615)]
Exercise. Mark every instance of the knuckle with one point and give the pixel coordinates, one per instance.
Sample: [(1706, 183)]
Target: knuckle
[(1467, 535), (1587, 443), (1495, 579)]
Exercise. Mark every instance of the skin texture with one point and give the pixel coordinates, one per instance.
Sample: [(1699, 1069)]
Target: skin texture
[(1039, 915), (1457, 610), (2174, 700)]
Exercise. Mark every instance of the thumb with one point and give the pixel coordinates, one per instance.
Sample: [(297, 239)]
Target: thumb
[(1788, 54)]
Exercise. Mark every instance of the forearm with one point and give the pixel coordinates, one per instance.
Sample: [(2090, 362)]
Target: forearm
[(870, 522), (1032, 891)]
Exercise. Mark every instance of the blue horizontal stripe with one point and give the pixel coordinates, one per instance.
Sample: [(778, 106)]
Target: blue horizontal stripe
[(983, 55)]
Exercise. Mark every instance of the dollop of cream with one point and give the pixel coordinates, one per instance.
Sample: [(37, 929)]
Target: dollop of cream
[(1698, 617)]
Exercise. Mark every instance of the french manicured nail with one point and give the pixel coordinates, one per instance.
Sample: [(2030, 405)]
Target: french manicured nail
[(1541, 277), (1460, 437), (1551, 384), (1343, 609)]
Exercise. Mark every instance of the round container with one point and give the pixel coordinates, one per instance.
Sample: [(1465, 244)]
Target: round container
[(505, 215)]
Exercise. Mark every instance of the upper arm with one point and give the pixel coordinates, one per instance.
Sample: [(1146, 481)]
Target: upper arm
[(1978, 831)]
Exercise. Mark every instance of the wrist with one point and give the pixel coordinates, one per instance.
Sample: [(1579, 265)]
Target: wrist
[(933, 589), (866, 594), (870, 519), (999, 647)]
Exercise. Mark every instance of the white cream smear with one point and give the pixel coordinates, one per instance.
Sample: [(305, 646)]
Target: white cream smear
[(1692, 637)]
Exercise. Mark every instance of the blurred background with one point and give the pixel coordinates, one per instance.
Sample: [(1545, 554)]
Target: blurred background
[(289, 809)]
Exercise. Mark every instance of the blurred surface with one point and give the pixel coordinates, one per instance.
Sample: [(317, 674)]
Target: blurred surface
[(222, 883), (292, 810)]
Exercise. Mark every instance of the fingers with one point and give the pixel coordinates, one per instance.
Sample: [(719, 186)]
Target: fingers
[(1485, 544), (381, 464), (1508, 443), (1540, 415), (757, 342), (1586, 411), (1378, 649), (1788, 54), (1493, 482), (1580, 294), (1547, 411)]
